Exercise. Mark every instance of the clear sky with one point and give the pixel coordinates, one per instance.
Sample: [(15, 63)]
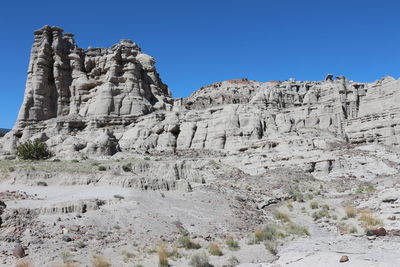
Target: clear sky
[(196, 43)]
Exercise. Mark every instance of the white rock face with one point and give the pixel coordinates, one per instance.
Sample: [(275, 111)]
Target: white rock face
[(104, 100), (65, 80)]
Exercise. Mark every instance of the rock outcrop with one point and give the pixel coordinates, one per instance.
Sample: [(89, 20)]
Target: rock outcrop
[(65, 80), (101, 101)]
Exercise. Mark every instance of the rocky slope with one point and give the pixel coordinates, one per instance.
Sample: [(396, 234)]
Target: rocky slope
[(221, 163)]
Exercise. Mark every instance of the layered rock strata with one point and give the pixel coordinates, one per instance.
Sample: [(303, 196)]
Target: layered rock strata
[(101, 101)]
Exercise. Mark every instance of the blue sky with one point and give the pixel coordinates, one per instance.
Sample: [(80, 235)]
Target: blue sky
[(196, 43)]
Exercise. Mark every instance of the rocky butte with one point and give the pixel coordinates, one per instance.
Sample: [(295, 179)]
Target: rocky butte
[(229, 159), (105, 100)]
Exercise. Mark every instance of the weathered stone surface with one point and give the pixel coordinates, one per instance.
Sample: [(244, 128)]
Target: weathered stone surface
[(64, 80), (101, 101)]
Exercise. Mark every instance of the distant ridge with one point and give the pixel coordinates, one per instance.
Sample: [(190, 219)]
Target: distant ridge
[(3, 131)]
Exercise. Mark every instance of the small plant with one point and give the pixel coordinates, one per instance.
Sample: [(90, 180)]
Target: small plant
[(232, 243), (214, 249), (268, 232), (294, 229), (232, 262), (74, 161), (297, 196), (353, 230), (368, 220), (175, 253), (36, 150), (282, 216), (81, 244), (366, 189), (127, 255), (65, 256), (310, 196), (186, 242), (23, 263), (199, 260), (127, 167), (351, 212), (271, 246), (162, 256), (146, 158), (100, 261), (289, 205), (314, 205), (102, 168), (319, 215), (41, 183), (11, 169)]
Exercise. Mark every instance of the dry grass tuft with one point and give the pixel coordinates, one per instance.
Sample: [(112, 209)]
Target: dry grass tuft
[(100, 261), (351, 212), (214, 249), (368, 220), (162, 256), (282, 216), (23, 263)]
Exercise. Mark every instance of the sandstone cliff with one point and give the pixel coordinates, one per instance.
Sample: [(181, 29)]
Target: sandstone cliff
[(104, 100), (65, 80)]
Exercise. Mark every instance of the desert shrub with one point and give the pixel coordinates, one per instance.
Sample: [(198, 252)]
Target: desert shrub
[(127, 255), (282, 216), (232, 262), (268, 232), (127, 168), (368, 220), (162, 256), (35, 150), (102, 168), (314, 205), (41, 183), (232, 243), (319, 214), (100, 261), (200, 260), (81, 244), (271, 246), (75, 161), (353, 230), (174, 253), (23, 263), (297, 196), (146, 158), (365, 189), (186, 242), (289, 205), (65, 256), (214, 249), (309, 196), (350, 212), (294, 229), (11, 169)]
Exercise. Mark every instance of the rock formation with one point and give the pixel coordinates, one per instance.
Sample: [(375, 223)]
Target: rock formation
[(100, 101), (65, 80)]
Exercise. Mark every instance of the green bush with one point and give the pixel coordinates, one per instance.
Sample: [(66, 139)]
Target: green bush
[(186, 242), (127, 167), (102, 168), (35, 150), (200, 260)]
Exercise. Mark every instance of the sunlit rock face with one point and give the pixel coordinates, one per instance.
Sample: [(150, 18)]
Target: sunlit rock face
[(65, 80), (101, 101)]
